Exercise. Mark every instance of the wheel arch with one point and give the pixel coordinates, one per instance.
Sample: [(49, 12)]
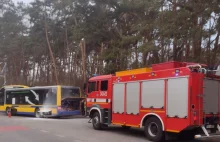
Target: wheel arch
[(36, 109), (146, 116), (93, 110), (7, 108)]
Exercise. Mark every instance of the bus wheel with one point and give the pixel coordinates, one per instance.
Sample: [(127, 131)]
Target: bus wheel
[(153, 129), (13, 111), (96, 121), (37, 113), (7, 110)]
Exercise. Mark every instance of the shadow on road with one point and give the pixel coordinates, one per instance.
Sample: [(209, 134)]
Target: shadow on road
[(66, 117), (119, 130), (140, 134)]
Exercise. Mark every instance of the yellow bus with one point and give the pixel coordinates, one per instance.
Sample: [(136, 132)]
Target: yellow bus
[(14, 86), (42, 101)]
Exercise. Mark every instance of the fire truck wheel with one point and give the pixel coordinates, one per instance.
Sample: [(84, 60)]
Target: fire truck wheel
[(153, 129), (96, 121)]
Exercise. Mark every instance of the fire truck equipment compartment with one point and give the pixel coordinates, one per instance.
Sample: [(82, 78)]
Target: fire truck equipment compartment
[(118, 97), (132, 97), (177, 97), (153, 93), (211, 96)]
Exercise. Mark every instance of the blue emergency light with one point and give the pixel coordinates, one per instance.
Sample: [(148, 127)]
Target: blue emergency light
[(177, 72)]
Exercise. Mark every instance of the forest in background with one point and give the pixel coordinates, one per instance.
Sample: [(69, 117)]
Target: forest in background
[(65, 42)]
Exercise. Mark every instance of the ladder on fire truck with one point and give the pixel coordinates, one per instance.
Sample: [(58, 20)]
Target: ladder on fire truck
[(208, 74)]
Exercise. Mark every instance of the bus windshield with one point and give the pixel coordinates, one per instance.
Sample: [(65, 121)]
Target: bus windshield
[(70, 92)]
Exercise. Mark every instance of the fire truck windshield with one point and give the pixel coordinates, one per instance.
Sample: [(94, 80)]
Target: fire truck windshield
[(92, 87)]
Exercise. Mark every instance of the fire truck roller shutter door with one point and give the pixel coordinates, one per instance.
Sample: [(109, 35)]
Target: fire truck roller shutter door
[(177, 97), (153, 93), (211, 96), (118, 97), (132, 98)]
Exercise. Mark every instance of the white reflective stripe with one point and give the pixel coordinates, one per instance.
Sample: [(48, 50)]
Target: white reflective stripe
[(98, 100), (101, 100)]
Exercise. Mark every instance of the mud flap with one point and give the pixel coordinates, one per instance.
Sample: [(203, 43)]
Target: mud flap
[(208, 136), (90, 120)]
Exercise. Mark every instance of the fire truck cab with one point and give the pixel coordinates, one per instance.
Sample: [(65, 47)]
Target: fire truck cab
[(171, 97)]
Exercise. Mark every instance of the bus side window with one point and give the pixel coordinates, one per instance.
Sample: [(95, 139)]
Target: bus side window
[(92, 87), (104, 85), (2, 98)]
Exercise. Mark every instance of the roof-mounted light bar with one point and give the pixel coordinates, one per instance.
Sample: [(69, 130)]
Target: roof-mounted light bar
[(195, 65)]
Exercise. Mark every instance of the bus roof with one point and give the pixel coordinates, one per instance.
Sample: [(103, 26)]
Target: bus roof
[(64, 86), (14, 86), (41, 87)]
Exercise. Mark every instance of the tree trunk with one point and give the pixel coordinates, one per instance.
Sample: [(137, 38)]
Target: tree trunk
[(51, 54)]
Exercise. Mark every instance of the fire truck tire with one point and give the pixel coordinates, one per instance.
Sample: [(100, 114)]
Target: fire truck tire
[(153, 130), (96, 121)]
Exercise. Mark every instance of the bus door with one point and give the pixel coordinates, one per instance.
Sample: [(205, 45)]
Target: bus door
[(2, 99)]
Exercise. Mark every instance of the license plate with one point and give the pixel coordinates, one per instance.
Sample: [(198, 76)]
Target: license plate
[(47, 113), (210, 126)]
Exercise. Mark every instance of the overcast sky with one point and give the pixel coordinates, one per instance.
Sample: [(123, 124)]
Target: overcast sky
[(25, 1)]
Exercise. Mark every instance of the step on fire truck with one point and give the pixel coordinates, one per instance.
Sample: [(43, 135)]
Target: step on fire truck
[(171, 97)]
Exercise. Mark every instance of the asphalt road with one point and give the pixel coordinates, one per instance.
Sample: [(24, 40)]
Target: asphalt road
[(28, 129)]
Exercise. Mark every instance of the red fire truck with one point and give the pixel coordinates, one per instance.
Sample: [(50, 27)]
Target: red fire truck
[(171, 97)]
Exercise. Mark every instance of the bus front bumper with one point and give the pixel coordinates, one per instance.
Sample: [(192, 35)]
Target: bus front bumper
[(69, 113), (45, 112)]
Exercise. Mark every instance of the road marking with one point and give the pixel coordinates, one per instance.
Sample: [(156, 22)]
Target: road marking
[(45, 131), (60, 136)]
